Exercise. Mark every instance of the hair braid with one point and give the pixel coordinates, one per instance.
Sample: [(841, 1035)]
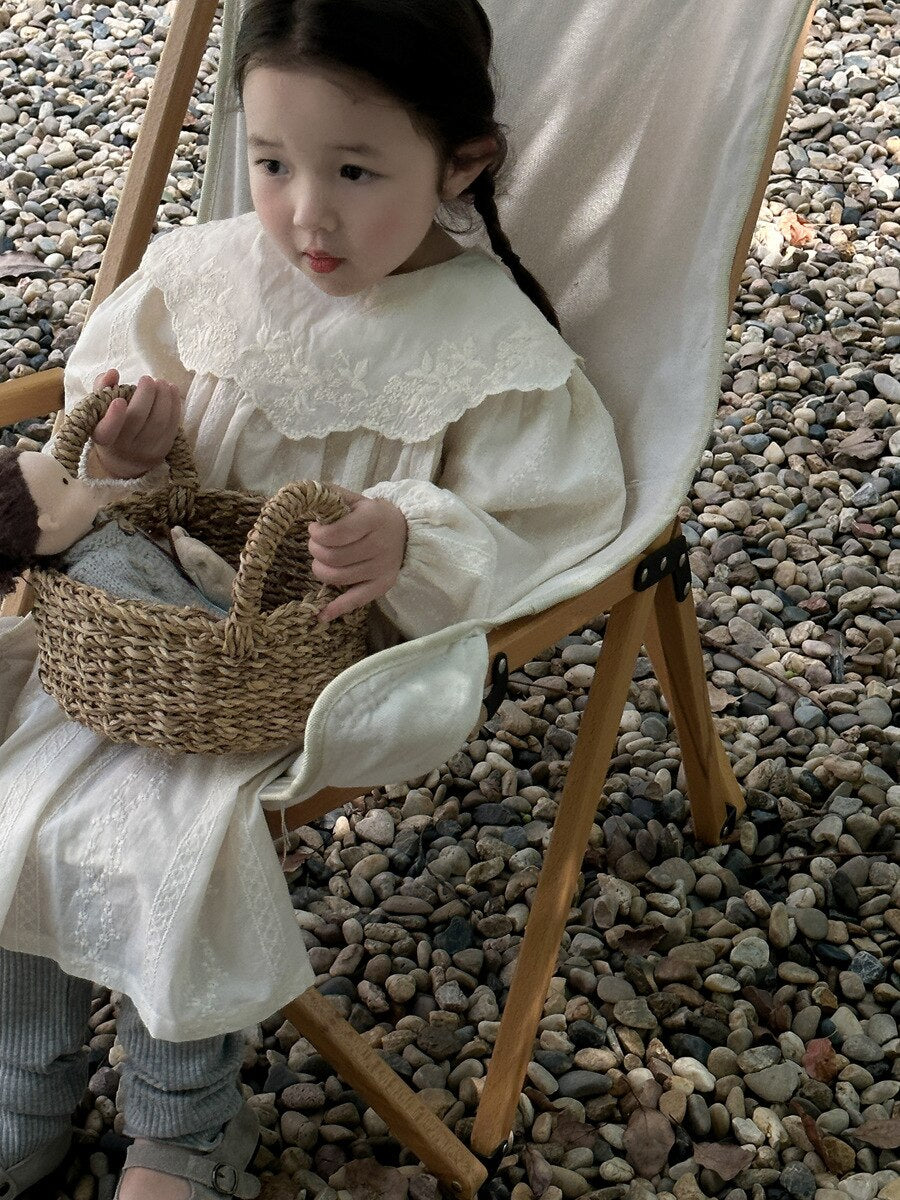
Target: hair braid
[(483, 195)]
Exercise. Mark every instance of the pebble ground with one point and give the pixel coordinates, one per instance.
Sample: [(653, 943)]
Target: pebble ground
[(722, 1023)]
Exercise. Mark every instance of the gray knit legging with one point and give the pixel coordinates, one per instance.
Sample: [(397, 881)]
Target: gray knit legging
[(183, 1092)]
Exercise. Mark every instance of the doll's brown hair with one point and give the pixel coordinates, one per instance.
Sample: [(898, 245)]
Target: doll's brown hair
[(434, 56), (19, 531)]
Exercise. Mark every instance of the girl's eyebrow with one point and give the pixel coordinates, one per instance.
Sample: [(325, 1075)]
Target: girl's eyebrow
[(264, 144), (360, 148)]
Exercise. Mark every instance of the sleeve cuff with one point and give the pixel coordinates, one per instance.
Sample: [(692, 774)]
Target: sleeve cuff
[(154, 478)]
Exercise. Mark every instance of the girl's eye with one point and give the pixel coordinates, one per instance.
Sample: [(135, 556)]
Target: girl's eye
[(65, 481), (354, 173), (266, 162)]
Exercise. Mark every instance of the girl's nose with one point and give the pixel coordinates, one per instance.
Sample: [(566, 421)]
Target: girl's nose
[(313, 209)]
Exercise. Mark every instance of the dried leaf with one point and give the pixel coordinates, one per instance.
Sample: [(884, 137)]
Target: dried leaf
[(293, 862), (860, 444), (719, 699), (538, 1170), (726, 1161), (640, 940), (16, 264), (540, 1100), (277, 1187), (795, 230), (883, 1134), (648, 1140), (647, 1093), (811, 1129), (572, 1134), (367, 1179), (820, 1061), (824, 341), (763, 1002), (88, 259)]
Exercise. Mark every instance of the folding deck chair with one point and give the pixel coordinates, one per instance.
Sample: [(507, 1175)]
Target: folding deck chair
[(645, 133)]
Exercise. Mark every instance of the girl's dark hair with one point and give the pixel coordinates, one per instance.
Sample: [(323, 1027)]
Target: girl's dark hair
[(19, 530), (433, 56)]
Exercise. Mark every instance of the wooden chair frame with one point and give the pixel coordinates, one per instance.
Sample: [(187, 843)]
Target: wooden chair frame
[(654, 617)]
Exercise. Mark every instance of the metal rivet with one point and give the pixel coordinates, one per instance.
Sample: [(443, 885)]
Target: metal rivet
[(643, 576), (663, 563), (683, 561)]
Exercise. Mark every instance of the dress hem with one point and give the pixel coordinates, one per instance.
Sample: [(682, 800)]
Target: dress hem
[(162, 1028)]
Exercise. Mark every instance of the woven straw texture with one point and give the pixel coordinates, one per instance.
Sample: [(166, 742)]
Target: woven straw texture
[(180, 679)]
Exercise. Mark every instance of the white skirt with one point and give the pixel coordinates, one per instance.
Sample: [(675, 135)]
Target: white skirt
[(151, 873)]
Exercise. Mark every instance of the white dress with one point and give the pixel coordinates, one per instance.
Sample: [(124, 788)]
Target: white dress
[(443, 390)]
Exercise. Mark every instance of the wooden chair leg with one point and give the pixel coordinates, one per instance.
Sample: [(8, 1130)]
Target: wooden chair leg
[(407, 1117), (673, 643), (543, 933), (173, 83)]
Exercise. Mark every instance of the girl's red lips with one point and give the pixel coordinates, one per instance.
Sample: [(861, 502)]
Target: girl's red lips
[(323, 263)]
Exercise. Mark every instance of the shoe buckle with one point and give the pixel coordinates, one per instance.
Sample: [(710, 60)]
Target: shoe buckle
[(225, 1179)]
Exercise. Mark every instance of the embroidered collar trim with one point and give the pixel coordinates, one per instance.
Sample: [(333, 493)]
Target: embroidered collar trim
[(316, 364)]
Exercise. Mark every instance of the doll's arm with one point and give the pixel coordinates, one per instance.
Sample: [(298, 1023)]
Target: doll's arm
[(208, 570)]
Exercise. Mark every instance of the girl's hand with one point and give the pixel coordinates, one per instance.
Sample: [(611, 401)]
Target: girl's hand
[(364, 549), (137, 434)]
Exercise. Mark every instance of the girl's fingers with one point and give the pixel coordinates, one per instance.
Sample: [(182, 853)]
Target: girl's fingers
[(160, 427), (139, 408), (342, 576), (106, 379), (352, 599), (352, 528), (357, 554), (107, 431)]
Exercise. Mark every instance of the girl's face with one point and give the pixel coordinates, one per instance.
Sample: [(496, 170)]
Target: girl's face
[(337, 169)]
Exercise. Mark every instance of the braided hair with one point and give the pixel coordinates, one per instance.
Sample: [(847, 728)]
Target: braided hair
[(19, 530), (433, 56)]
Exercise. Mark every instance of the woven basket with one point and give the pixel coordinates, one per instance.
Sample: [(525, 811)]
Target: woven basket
[(179, 679)]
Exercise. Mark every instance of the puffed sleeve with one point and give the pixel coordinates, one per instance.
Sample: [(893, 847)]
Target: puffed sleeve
[(529, 484), (130, 330)]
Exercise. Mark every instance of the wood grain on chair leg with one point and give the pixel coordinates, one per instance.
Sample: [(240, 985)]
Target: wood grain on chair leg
[(151, 161), (578, 805), (673, 643), (407, 1117)]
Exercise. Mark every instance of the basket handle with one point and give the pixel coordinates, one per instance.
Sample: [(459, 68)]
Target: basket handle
[(79, 425), (302, 500)]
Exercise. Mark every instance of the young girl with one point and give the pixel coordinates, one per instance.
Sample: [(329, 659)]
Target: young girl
[(336, 332)]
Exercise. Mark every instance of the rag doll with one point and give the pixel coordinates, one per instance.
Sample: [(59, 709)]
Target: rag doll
[(45, 513)]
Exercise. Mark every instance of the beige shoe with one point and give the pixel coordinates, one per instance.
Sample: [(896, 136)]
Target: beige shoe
[(216, 1173), (22, 1175)]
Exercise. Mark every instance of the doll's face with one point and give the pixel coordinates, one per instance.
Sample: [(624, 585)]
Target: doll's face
[(66, 506)]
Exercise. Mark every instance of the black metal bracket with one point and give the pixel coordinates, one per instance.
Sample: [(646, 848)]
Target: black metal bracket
[(499, 684), (730, 823), (492, 1163), (671, 559)]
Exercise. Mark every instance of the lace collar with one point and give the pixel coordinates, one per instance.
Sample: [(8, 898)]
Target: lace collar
[(403, 358)]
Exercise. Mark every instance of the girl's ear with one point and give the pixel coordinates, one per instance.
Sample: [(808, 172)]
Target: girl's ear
[(467, 164)]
